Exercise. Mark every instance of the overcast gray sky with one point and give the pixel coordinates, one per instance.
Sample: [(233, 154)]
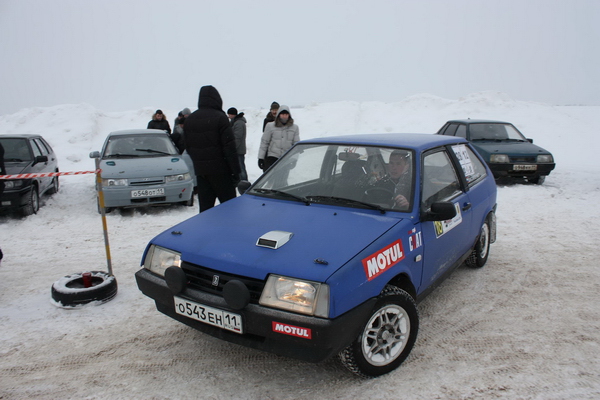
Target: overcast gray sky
[(122, 55)]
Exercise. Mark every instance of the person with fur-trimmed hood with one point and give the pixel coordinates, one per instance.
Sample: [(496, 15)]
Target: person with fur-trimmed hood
[(279, 136), (210, 143), (159, 121)]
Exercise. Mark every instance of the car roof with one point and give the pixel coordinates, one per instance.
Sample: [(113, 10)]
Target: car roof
[(138, 132), (478, 121), (417, 141), (21, 136)]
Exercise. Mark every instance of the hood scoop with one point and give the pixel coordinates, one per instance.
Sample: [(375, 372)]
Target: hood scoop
[(274, 239)]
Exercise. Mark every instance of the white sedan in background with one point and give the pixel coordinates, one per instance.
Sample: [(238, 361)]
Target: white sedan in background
[(142, 167)]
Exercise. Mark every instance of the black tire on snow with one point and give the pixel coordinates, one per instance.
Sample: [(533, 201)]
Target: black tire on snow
[(55, 186), (69, 291), (480, 253), (387, 338), (33, 202)]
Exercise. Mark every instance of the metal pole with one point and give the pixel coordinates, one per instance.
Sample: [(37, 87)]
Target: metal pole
[(102, 212)]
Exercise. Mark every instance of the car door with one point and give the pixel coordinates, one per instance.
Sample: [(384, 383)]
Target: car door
[(41, 167), (444, 241)]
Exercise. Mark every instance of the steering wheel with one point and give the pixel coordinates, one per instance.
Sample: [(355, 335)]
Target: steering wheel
[(380, 195)]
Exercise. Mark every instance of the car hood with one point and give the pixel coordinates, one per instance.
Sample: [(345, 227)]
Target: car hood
[(142, 167), (225, 237), (508, 147), (15, 168)]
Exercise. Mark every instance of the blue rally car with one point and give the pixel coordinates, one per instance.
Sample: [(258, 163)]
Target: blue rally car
[(330, 250)]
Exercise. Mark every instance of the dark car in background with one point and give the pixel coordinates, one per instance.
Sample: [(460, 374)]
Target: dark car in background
[(508, 153), (27, 154)]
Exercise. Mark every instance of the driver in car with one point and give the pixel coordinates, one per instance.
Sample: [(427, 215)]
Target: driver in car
[(399, 178)]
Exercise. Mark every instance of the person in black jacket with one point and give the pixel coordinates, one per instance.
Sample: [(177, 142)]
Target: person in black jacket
[(210, 143), (2, 169), (2, 172), (271, 114), (159, 121)]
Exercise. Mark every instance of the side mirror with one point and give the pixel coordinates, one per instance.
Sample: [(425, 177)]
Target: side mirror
[(440, 211), (39, 159), (243, 186), (95, 154), (530, 140)]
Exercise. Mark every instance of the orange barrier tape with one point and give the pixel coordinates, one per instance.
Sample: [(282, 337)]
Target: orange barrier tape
[(47, 174)]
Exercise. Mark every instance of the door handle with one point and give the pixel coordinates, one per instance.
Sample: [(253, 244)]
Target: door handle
[(466, 206)]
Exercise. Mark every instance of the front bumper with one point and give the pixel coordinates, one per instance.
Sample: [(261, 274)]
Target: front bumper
[(14, 199), (328, 336), (508, 170), (120, 196)]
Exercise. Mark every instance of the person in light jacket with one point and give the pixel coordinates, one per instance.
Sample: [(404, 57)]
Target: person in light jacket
[(279, 136)]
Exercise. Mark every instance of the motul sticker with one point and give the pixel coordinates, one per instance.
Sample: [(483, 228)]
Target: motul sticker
[(377, 263), (292, 330)]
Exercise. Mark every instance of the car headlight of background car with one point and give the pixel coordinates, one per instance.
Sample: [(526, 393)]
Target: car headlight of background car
[(159, 259), (13, 184), (545, 158), (304, 297), (179, 177), (499, 158), (114, 182)]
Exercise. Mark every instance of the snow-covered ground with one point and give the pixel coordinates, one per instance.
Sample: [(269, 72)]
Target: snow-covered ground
[(526, 326)]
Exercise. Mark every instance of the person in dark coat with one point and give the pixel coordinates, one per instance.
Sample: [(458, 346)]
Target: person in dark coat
[(271, 115), (2, 172), (210, 143), (238, 126), (2, 169), (159, 121)]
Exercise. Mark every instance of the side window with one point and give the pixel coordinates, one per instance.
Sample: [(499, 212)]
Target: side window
[(472, 167), (42, 147), (440, 182), (461, 131), (450, 130), (35, 148)]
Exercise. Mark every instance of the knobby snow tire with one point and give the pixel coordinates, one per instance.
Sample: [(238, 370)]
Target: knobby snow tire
[(69, 291), (387, 338)]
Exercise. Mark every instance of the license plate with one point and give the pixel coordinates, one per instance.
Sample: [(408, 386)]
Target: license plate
[(147, 192), (524, 167), (209, 315)]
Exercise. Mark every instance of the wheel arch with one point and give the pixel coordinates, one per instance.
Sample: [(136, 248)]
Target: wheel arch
[(403, 281)]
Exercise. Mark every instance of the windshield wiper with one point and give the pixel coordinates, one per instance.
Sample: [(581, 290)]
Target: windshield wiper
[(347, 201), (153, 151), (281, 193), (123, 155), (13, 160)]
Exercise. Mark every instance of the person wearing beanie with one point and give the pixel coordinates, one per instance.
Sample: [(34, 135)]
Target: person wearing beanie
[(271, 114), (279, 136), (238, 126), (159, 121), (210, 143)]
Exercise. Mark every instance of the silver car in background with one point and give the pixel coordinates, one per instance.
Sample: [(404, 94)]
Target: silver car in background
[(142, 167)]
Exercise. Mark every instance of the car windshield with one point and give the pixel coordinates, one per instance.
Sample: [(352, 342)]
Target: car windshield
[(16, 150), (139, 146), (343, 175), (495, 132)]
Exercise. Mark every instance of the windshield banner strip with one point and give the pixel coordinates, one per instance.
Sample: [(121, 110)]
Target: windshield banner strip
[(47, 174)]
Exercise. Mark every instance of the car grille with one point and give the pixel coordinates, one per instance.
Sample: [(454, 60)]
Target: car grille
[(149, 200), (201, 278), (527, 159), (146, 181)]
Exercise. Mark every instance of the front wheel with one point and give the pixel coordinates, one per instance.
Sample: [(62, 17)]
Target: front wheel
[(387, 338), (33, 202), (479, 255)]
